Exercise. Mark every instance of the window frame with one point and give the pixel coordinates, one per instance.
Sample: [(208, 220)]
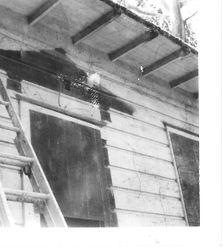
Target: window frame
[(187, 134), (24, 112)]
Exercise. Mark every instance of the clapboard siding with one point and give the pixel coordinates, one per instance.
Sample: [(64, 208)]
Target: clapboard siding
[(8, 148), (139, 219), (60, 100), (179, 100), (6, 175), (147, 203), (138, 145), (144, 183), (139, 100), (3, 112), (153, 118), (135, 162), (143, 178), (140, 129)]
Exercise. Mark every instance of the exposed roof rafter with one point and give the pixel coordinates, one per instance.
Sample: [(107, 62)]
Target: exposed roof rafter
[(42, 11), (146, 37), (150, 25), (96, 25), (184, 78), (163, 62)]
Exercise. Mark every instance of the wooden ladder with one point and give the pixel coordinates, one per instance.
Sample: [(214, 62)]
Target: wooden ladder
[(41, 196)]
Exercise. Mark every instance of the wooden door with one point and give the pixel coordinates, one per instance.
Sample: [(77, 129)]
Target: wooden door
[(71, 157)]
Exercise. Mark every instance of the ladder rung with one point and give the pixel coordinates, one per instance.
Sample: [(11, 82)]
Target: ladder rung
[(17, 157), (24, 196), (11, 167), (13, 162), (4, 103), (15, 129)]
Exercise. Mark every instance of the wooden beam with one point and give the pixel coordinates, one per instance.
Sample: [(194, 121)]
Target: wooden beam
[(95, 26), (146, 37), (150, 25), (42, 11), (163, 62), (184, 78)]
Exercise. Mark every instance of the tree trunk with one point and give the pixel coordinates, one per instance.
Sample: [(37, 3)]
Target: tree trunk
[(173, 7)]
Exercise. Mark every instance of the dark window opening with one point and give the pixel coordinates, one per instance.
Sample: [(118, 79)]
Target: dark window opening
[(71, 157), (186, 153), (76, 222)]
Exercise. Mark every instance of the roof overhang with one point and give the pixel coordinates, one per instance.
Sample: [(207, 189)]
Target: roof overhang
[(118, 34)]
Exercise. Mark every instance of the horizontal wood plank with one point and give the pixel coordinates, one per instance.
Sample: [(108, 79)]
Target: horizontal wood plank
[(134, 144), (150, 117), (147, 103), (84, 108), (145, 183), (60, 101), (134, 162), (140, 113), (7, 175), (148, 203), (130, 219), (7, 136), (135, 127)]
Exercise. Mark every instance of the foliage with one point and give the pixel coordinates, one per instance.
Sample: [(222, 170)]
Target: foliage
[(153, 11), (190, 35)]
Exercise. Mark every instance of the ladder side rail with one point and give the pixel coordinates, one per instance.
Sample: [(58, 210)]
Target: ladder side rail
[(5, 215), (52, 208)]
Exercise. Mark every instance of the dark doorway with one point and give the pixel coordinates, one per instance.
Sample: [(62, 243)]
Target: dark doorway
[(186, 153), (71, 157)]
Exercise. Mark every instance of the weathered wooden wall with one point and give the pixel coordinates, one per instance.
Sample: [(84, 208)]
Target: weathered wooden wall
[(143, 179)]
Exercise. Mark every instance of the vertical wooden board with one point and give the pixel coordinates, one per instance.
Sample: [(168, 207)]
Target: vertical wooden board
[(135, 144), (132, 161), (140, 202), (143, 182), (70, 162), (126, 219)]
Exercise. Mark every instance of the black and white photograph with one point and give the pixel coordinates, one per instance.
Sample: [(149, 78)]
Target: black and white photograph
[(99, 116)]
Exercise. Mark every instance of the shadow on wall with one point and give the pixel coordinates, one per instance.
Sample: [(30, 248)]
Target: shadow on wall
[(54, 70)]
